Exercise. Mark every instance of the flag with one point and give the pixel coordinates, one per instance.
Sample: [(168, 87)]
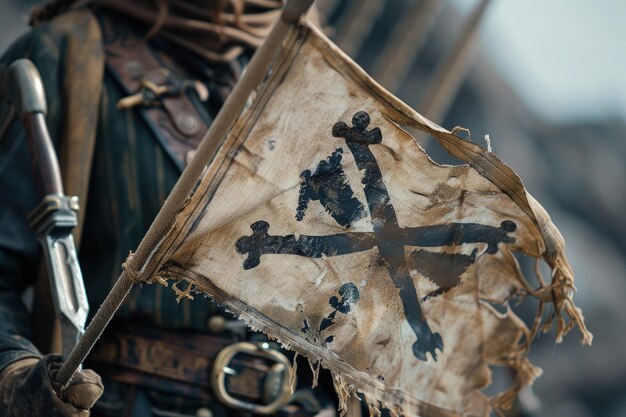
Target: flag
[(323, 223)]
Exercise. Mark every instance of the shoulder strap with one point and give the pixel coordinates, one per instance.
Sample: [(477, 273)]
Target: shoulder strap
[(159, 91), (82, 86)]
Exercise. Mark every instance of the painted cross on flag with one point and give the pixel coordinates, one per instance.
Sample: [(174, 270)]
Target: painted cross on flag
[(323, 223)]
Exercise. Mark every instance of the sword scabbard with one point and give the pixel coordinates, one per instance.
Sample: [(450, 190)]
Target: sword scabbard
[(55, 217)]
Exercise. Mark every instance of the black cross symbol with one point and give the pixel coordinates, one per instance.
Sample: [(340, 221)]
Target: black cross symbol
[(387, 235)]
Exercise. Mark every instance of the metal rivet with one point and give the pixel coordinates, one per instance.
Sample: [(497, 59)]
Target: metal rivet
[(134, 68), (74, 203), (229, 371), (204, 412), (201, 90), (189, 156), (187, 123), (216, 324)]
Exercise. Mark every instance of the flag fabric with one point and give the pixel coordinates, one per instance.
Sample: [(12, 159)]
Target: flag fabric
[(324, 224)]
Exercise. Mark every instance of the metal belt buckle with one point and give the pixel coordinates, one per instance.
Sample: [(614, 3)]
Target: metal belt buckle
[(276, 390)]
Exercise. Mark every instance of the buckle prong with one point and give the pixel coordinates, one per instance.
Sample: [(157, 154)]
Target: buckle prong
[(229, 371)]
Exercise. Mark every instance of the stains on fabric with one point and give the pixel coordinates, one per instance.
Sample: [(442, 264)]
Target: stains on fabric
[(329, 185), (443, 269), (349, 295), (305, 327), (386, 228)]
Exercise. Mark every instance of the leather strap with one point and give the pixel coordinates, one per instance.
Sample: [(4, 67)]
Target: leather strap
[(177, 122), (176, 363)]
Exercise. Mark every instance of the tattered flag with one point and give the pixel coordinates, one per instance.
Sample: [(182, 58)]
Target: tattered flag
[(324, 224)]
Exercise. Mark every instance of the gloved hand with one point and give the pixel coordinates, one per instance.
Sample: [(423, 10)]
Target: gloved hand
[(28, 388)]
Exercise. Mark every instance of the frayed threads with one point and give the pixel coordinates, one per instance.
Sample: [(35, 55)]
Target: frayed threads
[(395, 411), (465, 130), (343, 394), (294, 370), (564, 289), (525, 375), (160, 280), (180, 294), (315, 370), (135, 276), (488, 142), (373, 406)]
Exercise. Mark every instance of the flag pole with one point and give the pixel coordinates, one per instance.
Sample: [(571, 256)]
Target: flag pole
[(450, 74), (234, 104), (405, 43), (360, 19)]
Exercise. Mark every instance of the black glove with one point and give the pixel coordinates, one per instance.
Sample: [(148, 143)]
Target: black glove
[(28, 388)]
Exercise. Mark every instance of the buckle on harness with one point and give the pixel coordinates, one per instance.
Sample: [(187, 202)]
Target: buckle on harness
[(275, 390)]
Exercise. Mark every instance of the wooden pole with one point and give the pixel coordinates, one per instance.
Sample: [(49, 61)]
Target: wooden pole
[(405, 42), (450, 74)]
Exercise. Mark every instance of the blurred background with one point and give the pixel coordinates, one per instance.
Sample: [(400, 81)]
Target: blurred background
[(546, 80)]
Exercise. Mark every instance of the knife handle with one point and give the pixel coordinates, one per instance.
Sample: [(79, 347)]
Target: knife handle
[(22, 83)]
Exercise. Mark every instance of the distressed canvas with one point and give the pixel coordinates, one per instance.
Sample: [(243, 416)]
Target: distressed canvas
[(324, 224)]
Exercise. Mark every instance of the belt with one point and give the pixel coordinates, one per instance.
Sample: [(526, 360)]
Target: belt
[(243, 375)]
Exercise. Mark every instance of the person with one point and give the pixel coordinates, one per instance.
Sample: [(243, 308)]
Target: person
[(131, 89)]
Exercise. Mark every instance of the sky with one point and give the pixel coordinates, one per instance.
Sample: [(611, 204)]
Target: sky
[(566, 58)]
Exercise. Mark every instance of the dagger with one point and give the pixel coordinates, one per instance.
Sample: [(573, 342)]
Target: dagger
[(55, 217)]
